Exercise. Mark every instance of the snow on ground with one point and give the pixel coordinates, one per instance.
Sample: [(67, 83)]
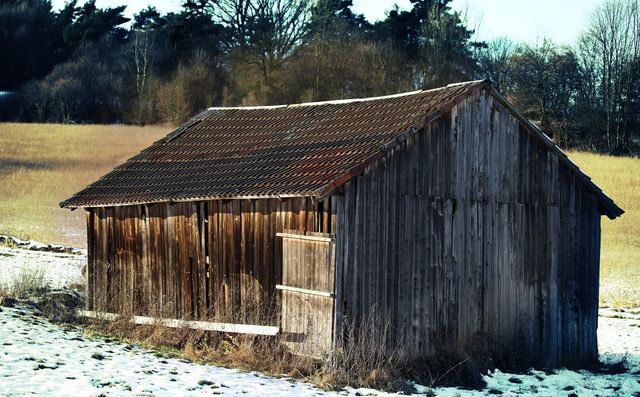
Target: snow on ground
[(57, 269), (39, 358), (618, 339), (43, 359)]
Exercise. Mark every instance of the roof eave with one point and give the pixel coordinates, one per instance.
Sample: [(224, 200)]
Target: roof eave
[(610, 209), (72, 204)]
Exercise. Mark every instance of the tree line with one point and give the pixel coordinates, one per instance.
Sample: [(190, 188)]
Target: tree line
[(88, 64)]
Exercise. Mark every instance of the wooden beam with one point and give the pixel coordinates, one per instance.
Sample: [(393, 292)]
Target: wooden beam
[(175, 323), (304, 291), (305, 237)]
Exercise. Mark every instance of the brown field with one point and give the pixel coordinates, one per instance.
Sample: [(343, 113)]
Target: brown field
[(43, 164)]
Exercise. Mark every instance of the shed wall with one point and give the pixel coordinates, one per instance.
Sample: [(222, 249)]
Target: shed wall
[(473, 234), (202, 260)]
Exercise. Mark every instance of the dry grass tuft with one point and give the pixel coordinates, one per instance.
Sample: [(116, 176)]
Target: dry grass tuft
[(43, 164), (619, 177), (366, 357), (451, 367), (27, 282), (247, 352)]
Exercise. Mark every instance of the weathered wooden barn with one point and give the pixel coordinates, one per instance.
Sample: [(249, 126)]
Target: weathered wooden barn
[(446, 211)]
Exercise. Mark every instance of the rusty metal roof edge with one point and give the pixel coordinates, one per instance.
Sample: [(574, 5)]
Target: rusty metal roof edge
[(320, 103), (609, 207)]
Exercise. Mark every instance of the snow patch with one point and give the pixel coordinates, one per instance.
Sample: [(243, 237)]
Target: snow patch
[(38, 246), (57, 269)]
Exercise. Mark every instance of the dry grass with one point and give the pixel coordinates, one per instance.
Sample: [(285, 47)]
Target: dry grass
[(43, 164), (365, 358), (248, 352), (619, 177), (26, 283)]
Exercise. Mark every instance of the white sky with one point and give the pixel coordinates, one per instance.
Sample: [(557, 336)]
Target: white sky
[(528, 21)]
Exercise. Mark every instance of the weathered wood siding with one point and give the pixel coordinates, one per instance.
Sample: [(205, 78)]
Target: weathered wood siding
[(208, 259), (473, 234)]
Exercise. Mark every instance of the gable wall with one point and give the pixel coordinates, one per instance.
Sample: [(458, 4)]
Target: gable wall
[(473, 234)]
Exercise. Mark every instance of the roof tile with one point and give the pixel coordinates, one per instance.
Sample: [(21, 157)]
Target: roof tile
[(285, 150)]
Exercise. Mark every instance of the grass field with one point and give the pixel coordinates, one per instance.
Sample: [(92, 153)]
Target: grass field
[(42, 164)]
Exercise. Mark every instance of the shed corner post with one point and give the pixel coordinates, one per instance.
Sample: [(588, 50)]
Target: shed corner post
[(89, 268), (337, 210)]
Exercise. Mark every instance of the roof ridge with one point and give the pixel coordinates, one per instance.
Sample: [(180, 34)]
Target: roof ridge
[(342, 101)]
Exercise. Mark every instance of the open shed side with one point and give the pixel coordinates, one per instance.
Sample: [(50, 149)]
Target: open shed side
[(195, 260)]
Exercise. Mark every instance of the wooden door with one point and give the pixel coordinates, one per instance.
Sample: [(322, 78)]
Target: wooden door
[(308, 292)]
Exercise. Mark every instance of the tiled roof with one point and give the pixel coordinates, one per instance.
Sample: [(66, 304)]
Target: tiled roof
[(290, 150), (306, 149)]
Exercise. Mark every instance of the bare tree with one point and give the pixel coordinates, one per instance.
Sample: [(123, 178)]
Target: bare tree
[(494, 63), (611, 45), (142, 60), (142, 63), (544, 85), (262, 32)]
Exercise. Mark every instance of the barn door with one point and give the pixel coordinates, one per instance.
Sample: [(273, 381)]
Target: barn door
[(308, 273)]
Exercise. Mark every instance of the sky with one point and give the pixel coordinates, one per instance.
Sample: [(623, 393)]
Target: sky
[(523, 21)]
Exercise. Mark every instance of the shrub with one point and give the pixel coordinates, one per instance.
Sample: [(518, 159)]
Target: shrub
[(27, 282), (196, 86)]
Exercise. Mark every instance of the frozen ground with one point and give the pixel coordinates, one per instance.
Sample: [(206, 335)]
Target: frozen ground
[(39, 358), (618, 338), (57, 269), (42, 359)]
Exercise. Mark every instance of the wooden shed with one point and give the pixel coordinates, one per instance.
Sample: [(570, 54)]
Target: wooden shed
[(445, 211)]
